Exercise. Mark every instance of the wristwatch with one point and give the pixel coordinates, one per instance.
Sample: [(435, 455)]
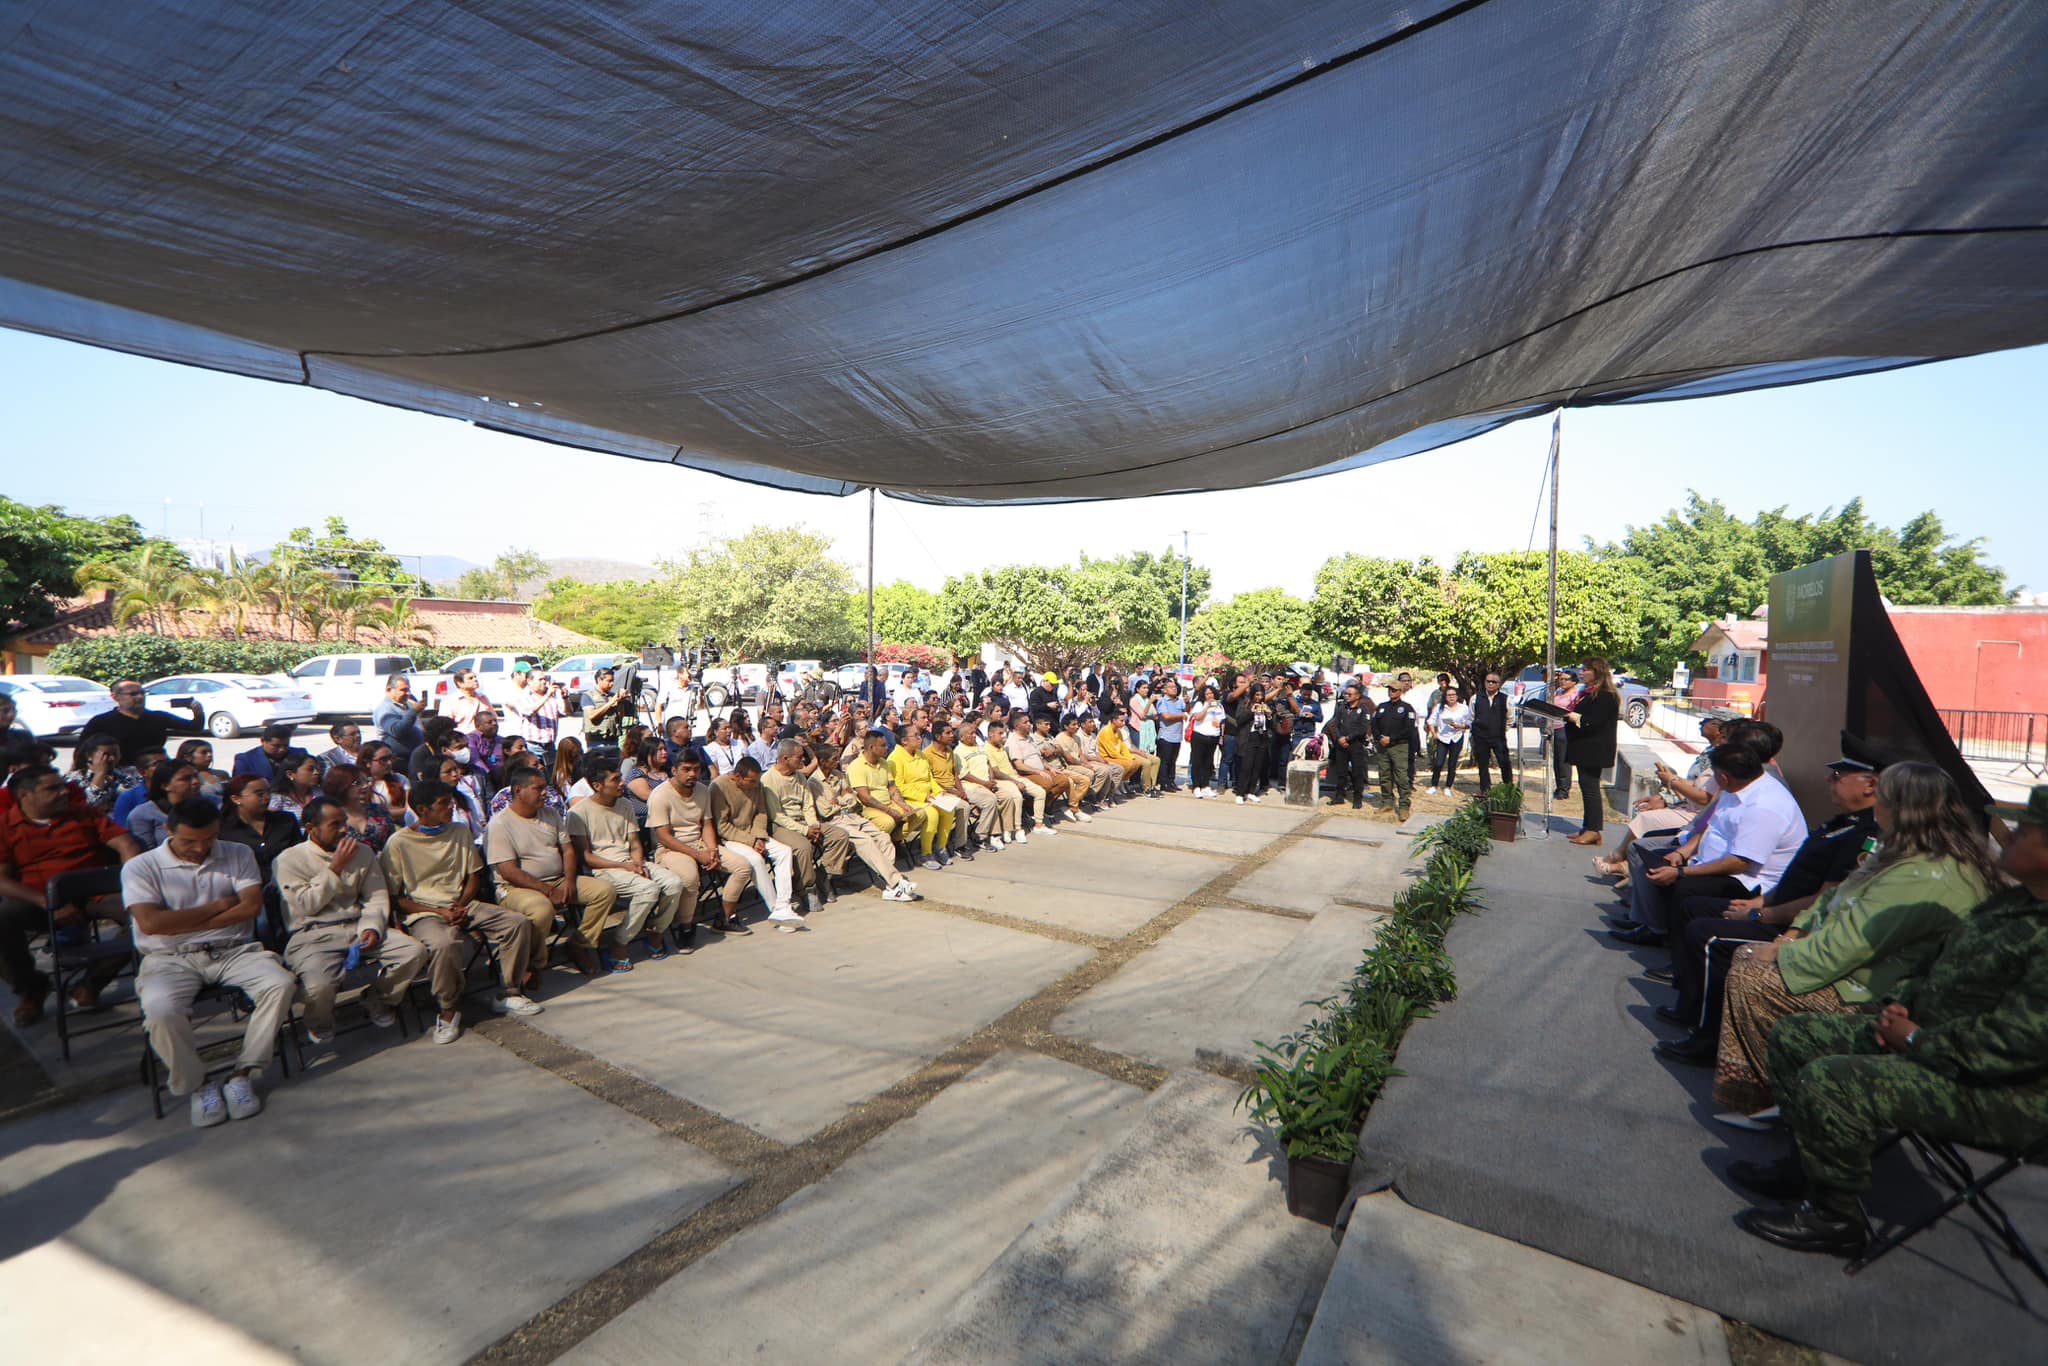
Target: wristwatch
[(1756, 915)]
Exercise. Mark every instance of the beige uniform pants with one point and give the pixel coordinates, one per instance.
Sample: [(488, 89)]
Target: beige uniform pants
[(651, 903), (864, 840), (594, 895), (316, 953), (510, 936), (169, 981)]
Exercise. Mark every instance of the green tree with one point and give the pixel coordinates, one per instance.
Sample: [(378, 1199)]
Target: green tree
[(904, 614), (773, 593), (501, 578), (1163, 573), (347, 557), (1057, 616), (626, 614), (1264, 626), (1703, 562), (41, 551), (1486, 612)]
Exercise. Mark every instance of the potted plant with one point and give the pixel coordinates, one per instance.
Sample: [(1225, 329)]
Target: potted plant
[(1312, 1090), (1504, 810)]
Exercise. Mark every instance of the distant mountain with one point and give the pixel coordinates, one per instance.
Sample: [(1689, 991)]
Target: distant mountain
[(443, 570)]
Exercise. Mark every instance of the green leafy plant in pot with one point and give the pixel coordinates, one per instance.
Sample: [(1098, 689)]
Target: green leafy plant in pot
[(1504, 810), (1311, 1090)]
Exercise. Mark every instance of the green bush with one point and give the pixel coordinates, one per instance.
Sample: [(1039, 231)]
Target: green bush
[(1504, 798), (145, 655)]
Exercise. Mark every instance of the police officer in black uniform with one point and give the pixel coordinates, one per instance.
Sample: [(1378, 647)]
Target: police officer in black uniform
[(1349, 731), (1397, 737)]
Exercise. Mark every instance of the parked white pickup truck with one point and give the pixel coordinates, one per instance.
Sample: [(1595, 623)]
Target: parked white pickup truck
[(349, 684), (493, 673)]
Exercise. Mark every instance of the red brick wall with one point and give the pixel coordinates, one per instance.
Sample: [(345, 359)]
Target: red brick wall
[(1979, 661)]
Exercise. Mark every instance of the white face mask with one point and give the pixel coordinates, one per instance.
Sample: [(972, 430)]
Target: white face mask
[(460, 755)]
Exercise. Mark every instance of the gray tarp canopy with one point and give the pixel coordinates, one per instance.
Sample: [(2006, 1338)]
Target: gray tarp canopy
[(969, 250)]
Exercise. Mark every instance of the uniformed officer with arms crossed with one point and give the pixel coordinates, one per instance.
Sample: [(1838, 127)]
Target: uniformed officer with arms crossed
[(1349, 731), (1395, 735)]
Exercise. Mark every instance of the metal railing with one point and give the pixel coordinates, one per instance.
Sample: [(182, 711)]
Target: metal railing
[(2000, 737)]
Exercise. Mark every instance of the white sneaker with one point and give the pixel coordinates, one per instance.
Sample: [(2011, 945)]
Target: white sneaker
[(1430, 790), (381, 1014), (319, 1036), (995, 842), (899, 892), (208, 1109), (1257, 798), (1240, 801), (447, 1031), (1084, 818), (516, 1005), (1043, 830), (789, 926), (1018, 838), (240, 1094)]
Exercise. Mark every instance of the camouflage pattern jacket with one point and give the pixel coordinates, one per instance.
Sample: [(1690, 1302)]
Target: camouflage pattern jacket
[(1982, 1008)]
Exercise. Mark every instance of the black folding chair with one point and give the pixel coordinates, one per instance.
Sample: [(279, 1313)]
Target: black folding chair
[(1953, 1172), (75, 962)]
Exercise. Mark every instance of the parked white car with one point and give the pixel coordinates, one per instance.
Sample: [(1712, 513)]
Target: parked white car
[(51, 705), (231, 703), (493, 675), (791, 673), (348, 684)]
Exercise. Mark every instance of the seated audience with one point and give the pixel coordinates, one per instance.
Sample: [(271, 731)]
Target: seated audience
[(338, 915), (434, 875), (845, 812), (739, 812), (874, 783), (1961, 1054), (44, 832), (795, 822), (1674, 805), (915, 785), (1857, 944), (135, 795), (347, 747), (607, 840), (199, 753), (685, 842), (539, 874), (268, 758), (369, 821), (194, 901), (97, 774), (298, 784)]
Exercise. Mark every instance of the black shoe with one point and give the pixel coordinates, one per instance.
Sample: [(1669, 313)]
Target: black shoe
[(1784, 1179), (1334, 801), (1697, 1049), (965, 855), (1641, 935), (1356, 803), (1672, 1015), (1808, 1228), (1622, 922), (1664, 975)]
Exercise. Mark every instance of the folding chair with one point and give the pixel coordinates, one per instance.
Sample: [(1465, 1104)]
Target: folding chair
[(1952, 1171), (72, 960)]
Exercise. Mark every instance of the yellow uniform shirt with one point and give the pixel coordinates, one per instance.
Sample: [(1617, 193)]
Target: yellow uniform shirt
[(999, 762), (1109, 743), (875, 777), (913, 773), (944, 775)]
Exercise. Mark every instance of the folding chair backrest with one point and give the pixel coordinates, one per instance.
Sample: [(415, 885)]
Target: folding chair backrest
[(81, 887)]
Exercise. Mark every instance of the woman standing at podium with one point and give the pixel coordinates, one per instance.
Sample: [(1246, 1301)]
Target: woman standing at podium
[(1592, 723)]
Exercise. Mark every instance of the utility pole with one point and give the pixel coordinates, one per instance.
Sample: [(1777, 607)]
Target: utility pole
[(1183, 599), (871, 576)]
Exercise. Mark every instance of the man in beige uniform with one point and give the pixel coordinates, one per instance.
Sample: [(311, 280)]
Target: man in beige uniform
[(679, 820), (334, 900), (529, 849), (748, 853), (998, 801), (608, 843), (794, 820), (433, 873), (844, 812)]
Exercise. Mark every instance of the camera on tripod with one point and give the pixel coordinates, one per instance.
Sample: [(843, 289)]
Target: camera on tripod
[(704, 652)]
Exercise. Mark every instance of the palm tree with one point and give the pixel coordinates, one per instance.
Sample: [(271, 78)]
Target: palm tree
[(300, 592), (398, 621), (347, 605), (233, 593), (152, 581)]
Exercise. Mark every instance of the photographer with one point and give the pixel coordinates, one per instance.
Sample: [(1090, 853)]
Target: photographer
[(607, 710)]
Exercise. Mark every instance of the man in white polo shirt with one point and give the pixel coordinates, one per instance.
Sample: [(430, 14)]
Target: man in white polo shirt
[(1753, 830), (194, 902)]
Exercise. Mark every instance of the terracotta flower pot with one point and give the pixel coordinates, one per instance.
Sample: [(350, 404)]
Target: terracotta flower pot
[(1505, 825), (1316, 1187)]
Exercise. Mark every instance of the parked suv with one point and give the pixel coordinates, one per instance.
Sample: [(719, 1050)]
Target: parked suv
[(1528, 686), (350, 684)]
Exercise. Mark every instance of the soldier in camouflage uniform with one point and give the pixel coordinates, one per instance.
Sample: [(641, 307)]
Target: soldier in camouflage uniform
[(1961, 1055)]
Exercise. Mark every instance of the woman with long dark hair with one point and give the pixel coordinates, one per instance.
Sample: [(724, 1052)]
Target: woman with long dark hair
[(1850, 950), (1205, 728), (354, 791), (1255, 735), (248, 820), (1592, 721), (170, 782), (299, 782)]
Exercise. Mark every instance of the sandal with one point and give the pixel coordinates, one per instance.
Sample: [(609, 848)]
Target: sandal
[(657, 949)]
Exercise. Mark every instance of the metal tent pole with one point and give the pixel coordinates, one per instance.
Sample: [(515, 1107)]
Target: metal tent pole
[(1550, 630), (871, 576), (1184, 599)]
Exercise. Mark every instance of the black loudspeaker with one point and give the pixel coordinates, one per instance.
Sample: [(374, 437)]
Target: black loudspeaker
[(657, 657)]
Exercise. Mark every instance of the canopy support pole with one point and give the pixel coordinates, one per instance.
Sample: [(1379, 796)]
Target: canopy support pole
[(1550, 629), (1183, 599), (871, 576)]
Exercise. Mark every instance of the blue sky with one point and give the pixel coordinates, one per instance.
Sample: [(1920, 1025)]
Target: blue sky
[(185, 450)]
